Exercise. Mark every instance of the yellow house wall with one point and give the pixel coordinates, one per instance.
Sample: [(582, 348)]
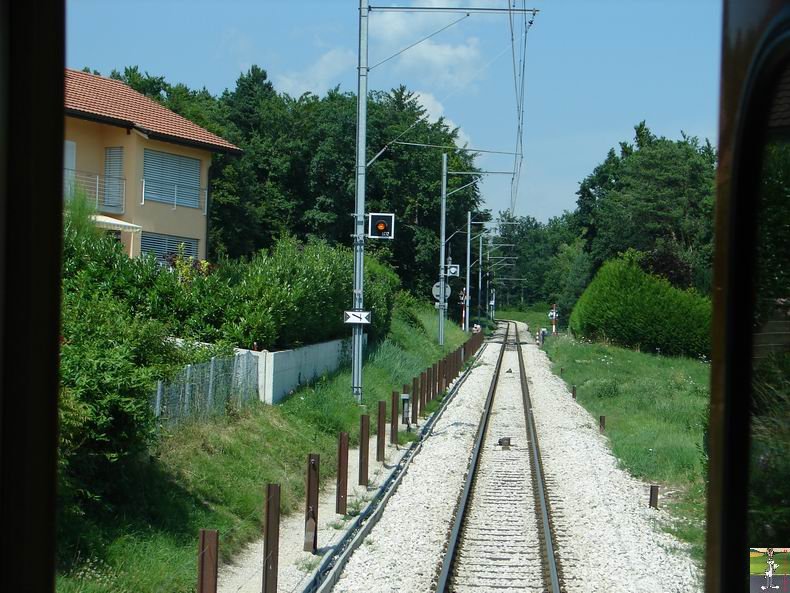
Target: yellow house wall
[(92, 138)]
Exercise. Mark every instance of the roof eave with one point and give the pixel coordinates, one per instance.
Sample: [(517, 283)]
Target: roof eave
[(189, 142), (122, 123), (129, 125)]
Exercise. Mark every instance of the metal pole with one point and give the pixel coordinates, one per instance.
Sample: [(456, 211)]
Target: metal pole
[(480, 279), (359, 216), (488, 280), (468, 263), (442, 296)]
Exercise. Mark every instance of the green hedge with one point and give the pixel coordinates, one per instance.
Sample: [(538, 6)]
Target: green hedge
[(118, 315), (626, 306), (292, 295), (296, 295)]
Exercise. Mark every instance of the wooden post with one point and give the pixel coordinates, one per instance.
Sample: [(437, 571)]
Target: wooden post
[(435, 385), (208, 548), (311, 506), (602, 423), (381, 430), (654, 496), (395, 420), (573, 392), (271, 538), (364, 448), (416, 388), (341, 495), (423, 389), (441, 376), (415, 401), (429, 383)]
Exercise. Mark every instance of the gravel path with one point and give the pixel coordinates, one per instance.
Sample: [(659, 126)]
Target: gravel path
[(608, 539), (403, 552), (296, 566), (500, 545)]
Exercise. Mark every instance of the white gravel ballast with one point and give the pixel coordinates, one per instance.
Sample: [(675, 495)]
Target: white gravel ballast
[(405, 548), (608, 539)]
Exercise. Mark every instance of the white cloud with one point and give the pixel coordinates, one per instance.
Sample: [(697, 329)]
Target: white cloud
[(434, 61), (237, 47), (320, 76), (444, 64), (435, 110)]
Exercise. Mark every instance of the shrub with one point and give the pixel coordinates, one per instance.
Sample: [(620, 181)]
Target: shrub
[(296, 295), (625, 305)]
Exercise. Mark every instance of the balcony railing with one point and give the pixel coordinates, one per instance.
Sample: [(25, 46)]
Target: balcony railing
[(178, 196), (107, 194)]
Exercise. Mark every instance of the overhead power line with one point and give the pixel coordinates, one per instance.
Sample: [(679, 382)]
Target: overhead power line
[(458, 9), (448, 147), (416, 43), (426, 115)]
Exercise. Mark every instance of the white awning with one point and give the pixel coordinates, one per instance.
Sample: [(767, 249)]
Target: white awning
[(106, 222)]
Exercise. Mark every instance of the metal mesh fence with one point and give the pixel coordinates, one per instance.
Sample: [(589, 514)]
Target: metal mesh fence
[(207, 389)]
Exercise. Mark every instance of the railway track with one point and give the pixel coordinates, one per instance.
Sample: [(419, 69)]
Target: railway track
[(502, 539)]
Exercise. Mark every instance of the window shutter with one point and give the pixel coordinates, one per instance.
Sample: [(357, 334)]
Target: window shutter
[(164, 245), (113, 178), (171, 178)]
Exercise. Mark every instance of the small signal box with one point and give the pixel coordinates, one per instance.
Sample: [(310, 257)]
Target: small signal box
[(381, 226)]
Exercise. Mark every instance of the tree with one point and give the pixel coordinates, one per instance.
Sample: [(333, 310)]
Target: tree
[(296, 173), (655, 197)]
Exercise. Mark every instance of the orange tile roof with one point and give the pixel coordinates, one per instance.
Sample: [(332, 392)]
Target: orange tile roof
[(105, 99)]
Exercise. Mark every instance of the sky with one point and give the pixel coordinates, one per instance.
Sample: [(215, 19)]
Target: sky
[(593, 70)]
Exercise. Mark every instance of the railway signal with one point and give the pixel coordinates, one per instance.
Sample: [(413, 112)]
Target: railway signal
[(381, 226)]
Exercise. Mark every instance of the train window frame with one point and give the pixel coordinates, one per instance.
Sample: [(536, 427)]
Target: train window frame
[(32, 60), (734, 306)]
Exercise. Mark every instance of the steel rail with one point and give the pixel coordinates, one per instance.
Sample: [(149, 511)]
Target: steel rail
[(537, 471), (326, 575), (452, 544)]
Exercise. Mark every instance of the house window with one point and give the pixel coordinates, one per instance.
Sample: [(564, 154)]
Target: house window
[(69, 165), (113, 179), (171, 178), (163, 246)]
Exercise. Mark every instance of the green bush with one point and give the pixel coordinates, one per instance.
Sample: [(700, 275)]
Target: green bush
[(628, 307), (293, 295), (119, 314), (296, 295)]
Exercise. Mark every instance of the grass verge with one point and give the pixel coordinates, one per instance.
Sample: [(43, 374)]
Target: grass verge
[(535, 316), (212, 475), (656, 409), (757, 564)]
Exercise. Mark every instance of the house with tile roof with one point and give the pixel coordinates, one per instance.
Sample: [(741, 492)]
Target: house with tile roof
[(144, 167)]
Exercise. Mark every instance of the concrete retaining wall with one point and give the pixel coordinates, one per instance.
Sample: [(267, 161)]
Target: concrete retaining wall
[(280, 373)]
